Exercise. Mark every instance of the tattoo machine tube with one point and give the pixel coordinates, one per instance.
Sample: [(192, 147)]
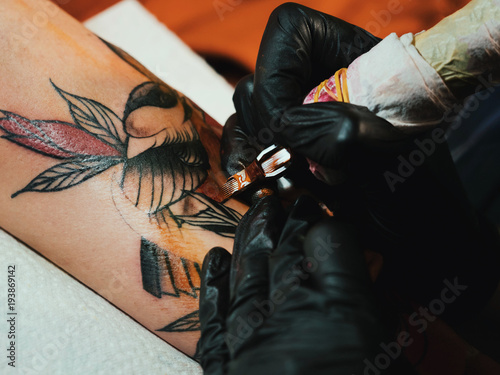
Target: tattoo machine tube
[(411, 81), (270, 163)]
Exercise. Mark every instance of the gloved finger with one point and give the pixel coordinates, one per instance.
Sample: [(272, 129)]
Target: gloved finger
[(259, 137), (239, 145), (257, 235), (300, 48), (236, 150), (336, 262), (285, 263), (331, 133), (214, 302), (242, 100), (341, 289)]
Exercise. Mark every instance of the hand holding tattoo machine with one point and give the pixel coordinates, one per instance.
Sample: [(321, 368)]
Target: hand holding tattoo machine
[(426, 217), (411, 81)]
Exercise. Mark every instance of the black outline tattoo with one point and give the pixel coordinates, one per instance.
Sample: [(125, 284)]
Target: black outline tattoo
[(98, 140), (159, 279), (181, 159), (189, 322)]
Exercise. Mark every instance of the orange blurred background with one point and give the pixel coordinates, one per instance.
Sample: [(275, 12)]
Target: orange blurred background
[(228, 32)]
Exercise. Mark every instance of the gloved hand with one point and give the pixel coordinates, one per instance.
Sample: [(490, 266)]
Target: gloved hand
[(300, 48), (402, 192), (296, 300)]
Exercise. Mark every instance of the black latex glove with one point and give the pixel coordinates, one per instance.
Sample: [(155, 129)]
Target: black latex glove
[(301, 301), (300, 48), (407, 201)]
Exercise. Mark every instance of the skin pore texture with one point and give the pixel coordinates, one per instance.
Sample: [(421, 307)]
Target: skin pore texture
[(107, 171)]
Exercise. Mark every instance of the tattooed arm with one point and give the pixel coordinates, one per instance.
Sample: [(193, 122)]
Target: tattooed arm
[(107, 171)]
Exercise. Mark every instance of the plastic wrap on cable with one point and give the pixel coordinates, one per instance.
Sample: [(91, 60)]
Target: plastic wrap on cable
[(409, 80), (465, 46), (395, 82)]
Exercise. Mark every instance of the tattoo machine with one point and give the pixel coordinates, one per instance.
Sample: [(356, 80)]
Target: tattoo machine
[(270, 163)]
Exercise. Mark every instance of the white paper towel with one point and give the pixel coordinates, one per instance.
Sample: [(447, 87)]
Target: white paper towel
[(62, 327)]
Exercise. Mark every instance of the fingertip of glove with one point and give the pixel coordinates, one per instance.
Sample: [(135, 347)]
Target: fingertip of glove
[(231, 122), (263, 220), (244, 88), (267, 207), (217, 262)]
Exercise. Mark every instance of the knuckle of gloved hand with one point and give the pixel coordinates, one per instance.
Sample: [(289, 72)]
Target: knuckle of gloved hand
[(341, 141), (287, 12), (335, 147), (347, 129)]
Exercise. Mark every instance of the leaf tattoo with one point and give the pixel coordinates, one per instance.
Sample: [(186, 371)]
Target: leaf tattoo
[(94, 144), (96, 118), (65, 175), (215, 217), (166, 275), (188, 323)]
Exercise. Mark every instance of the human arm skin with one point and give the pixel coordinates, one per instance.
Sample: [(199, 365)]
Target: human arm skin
[(106, 171)]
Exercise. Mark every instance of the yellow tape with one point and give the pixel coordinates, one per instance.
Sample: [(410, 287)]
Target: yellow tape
[(340, 78), (341, 74), (320, 87)]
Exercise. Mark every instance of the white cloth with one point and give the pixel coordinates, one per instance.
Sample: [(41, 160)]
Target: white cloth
[(62, 327)]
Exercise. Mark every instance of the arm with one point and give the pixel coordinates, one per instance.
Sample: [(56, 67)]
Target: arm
[(107, 171)]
